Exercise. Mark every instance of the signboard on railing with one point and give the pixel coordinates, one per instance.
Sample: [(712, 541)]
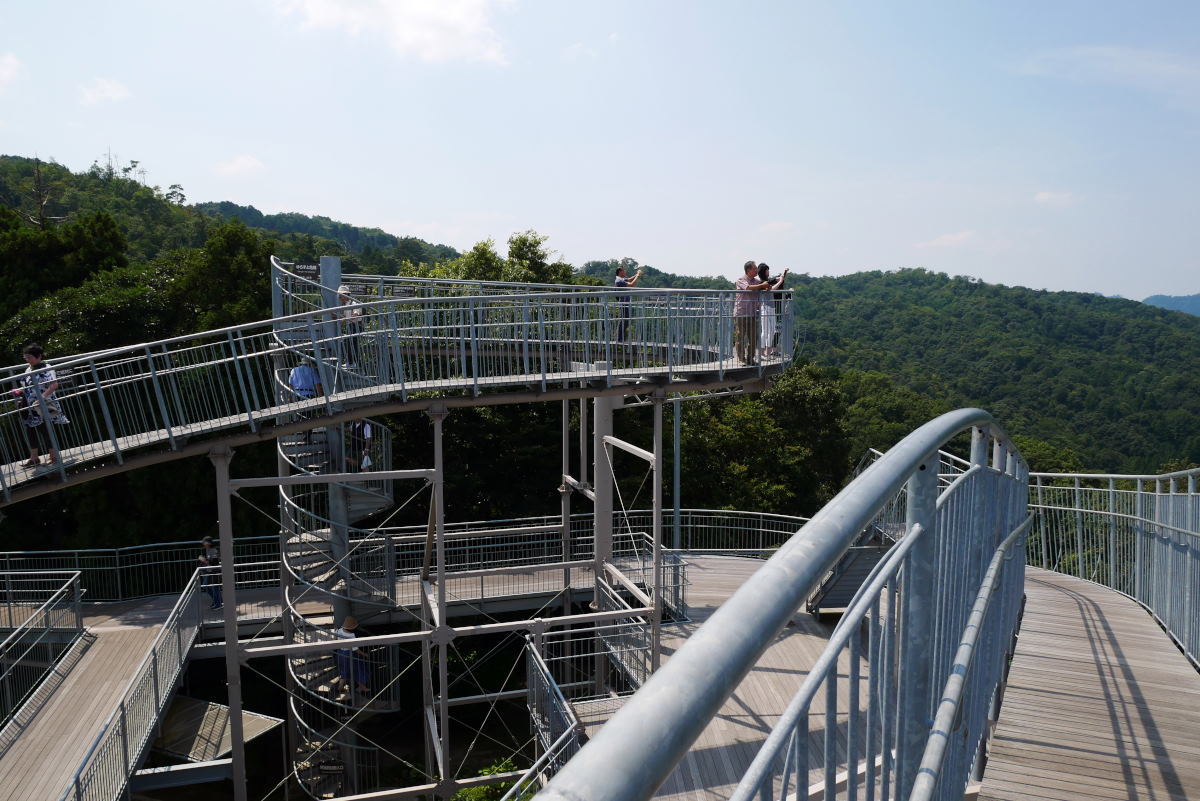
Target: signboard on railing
[(310, 271)]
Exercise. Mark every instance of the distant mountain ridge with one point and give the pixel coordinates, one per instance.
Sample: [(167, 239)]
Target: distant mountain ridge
[(1189, 304)]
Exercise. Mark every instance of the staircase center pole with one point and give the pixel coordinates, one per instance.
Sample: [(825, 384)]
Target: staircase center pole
[(220, 458)]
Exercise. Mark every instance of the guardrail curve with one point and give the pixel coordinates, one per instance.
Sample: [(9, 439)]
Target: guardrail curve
[(655, 728), (157, 398)]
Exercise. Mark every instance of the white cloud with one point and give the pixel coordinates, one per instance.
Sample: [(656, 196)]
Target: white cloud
[(428, 30), (10, 66), (776, 227), (1171, 75), (1055, 199), (578, 52), (948, 240), (103, 90), (239, 165)]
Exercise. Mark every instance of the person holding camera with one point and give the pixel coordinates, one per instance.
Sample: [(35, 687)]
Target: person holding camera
[(624, 301)]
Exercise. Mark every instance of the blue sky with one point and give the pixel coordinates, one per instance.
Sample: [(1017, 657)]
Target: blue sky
[(1044, 144)]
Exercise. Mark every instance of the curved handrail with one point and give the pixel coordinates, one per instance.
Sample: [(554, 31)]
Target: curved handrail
[(1138, 535), (655, 728), (159, 394)]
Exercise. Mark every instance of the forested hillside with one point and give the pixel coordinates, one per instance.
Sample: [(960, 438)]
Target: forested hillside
[(97, 259), (1112, 380)]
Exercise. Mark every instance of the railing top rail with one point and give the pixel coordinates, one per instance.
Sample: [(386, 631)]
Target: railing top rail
[(54, 597), (136, 350), (1194, 471), (655, 728), (516, 286), (163, 633)]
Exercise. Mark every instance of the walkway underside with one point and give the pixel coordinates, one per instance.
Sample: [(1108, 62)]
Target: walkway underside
[(1100, 704)]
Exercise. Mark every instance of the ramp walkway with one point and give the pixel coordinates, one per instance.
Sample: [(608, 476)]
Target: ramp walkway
[(57, 736), (1100, 704)]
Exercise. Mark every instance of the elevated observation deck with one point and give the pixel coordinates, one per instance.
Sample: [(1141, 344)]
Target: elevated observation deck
[(415, 344)]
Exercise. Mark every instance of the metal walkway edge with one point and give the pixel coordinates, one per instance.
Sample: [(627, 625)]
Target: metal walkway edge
[(1100, 704)]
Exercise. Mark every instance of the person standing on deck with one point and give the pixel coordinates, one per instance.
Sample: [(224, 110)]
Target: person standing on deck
[(745, 312), (770, 319), (624, 301)]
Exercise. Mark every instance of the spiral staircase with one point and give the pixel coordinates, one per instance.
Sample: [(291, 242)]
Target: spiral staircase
[(349, 570)]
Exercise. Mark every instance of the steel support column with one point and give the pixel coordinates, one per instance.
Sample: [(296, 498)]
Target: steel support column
[(233, 670), (656, 530), (602, 528)]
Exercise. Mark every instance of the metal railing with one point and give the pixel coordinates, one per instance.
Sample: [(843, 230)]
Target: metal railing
[(134, 571), (1136, 534), (910, 645), (158, 394), (42, 620), (143, 571), (118, 749)]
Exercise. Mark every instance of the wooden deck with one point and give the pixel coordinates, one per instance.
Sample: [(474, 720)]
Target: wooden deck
[(1100, 704), (55, 737), (717, 760)]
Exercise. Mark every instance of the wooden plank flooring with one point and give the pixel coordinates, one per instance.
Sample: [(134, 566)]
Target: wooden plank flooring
[(45, 754), (717, 760), (1100, 704)]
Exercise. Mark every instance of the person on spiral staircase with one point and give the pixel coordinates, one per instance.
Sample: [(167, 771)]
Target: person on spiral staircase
[(350, 660)]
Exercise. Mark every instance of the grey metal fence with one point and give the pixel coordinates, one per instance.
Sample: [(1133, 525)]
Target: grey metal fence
[(118, 749), (159, 394), (41, 621), (1136, 534), (135, 571)]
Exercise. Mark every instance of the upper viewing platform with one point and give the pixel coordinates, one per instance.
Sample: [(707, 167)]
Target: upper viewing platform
[(390, 344)]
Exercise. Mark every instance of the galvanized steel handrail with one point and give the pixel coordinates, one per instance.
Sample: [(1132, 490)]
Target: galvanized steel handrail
[(1138, 535), (887, 757), (158, 394), (655, 728), (117, 749), (957, 685), (59, 611)]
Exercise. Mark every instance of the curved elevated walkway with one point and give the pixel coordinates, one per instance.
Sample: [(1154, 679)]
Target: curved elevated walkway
[(1100, 704)]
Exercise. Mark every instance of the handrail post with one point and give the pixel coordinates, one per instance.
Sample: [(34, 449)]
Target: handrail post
[(917, 626), (1079, 530), (104, 411), (1139, 533), (1112, 533)]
